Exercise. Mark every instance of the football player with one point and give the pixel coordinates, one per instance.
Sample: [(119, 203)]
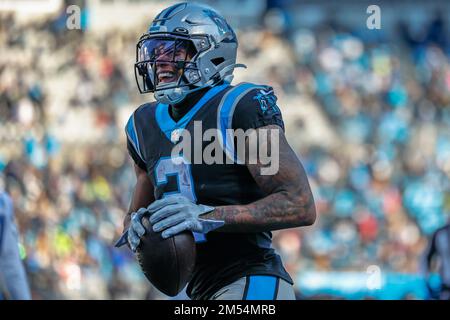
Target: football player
[(438, 248), (186, 59), (13, 281)]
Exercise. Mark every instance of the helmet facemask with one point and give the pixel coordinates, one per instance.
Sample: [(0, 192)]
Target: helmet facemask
[(165, 65)]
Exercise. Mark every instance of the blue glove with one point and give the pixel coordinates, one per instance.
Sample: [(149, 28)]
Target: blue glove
[(177, 213), (135, 231)]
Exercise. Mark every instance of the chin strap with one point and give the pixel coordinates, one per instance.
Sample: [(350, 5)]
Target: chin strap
[(219, 76)]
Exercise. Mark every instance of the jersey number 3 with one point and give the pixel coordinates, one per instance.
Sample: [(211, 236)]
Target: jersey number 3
[(181, 169)]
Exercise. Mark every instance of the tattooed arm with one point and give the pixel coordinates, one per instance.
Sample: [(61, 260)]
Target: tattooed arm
[(289, 202)]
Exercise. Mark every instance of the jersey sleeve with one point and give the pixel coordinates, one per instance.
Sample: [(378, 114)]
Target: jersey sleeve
[(258, 108), (133, 142)]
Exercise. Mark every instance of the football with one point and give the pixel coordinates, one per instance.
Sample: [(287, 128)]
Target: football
[(167, 263)]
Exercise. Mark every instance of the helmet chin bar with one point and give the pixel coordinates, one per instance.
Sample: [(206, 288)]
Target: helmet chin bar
[(170, 96), (172, 92)]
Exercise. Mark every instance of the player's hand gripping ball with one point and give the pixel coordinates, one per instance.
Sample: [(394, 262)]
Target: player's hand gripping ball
[(175, 214), (167, 259)]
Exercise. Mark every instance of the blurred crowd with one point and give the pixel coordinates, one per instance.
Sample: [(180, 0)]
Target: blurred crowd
[(382, 188), (63, 156), (381, 183)]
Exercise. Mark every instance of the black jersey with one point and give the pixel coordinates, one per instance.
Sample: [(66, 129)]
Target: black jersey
[(222, 258)]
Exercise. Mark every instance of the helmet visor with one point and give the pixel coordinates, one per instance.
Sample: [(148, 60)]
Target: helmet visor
[(162, 62)]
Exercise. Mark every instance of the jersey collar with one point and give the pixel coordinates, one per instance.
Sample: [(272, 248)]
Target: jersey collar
[(168, 125)]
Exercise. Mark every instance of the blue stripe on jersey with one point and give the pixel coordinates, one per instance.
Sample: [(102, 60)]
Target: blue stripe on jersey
[(132, 134), (261, 288), (225, 117), (167, 124)]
